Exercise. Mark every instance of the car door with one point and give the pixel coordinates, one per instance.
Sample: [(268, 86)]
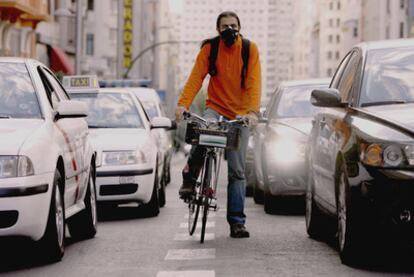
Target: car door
[(74, 132), (337, 129)]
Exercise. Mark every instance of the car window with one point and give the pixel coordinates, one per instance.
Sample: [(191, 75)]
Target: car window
[(388, 77), (110, 110), (18, 97), (50, 91), (269, 105), (151, 108), (56, 85), (349, 76), (295, 102), (338, 73)]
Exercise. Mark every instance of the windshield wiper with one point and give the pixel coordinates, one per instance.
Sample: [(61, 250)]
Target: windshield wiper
[(379, 103), (97, 127), (5, 116)]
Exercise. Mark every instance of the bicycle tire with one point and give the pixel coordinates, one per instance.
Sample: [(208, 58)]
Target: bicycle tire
[(206, 194), (193, 211)]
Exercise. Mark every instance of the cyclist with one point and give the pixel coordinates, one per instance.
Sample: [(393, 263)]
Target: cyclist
[(227, 97)]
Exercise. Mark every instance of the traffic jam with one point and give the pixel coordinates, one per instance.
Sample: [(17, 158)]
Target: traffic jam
[(70, 150)]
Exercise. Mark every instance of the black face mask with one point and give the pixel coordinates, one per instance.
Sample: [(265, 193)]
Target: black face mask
[(229, 36)]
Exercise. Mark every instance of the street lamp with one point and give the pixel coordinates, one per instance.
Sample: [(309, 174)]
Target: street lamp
[(78, 34)]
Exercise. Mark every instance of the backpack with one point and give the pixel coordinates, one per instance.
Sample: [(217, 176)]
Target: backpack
[(212, 69)]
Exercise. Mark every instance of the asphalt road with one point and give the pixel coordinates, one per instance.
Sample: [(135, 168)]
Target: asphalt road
[(130, 244)]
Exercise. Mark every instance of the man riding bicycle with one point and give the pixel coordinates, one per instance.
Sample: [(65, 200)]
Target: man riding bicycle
[(234, 90)]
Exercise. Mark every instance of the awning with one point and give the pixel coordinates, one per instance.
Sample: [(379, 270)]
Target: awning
[(59, 61)]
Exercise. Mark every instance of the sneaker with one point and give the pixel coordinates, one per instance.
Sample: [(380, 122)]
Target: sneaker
[(186, 190), (238, 231)]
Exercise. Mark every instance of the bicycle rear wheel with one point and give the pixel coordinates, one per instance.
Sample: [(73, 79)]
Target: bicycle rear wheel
[(207, 193), (193, 211)]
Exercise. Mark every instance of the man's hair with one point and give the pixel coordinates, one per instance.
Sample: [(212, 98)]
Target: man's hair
[(227, 14)]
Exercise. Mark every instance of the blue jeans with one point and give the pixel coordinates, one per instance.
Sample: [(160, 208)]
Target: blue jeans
[(236, 161)]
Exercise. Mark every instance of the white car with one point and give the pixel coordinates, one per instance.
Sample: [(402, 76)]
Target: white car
[(153, 107), (47, 165), (128, 156)]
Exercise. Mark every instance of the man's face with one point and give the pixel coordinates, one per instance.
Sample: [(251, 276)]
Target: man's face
[(226, 22)]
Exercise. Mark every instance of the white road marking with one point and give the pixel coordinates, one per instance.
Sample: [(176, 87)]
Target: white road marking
[(210, 215), (186, 236), (192, 273), (191, 254), (210, 224)]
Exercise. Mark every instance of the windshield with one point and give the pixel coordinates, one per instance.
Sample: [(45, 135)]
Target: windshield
[(151, 108), (17, 95), (110, 110), (295, 102), (388, 77)]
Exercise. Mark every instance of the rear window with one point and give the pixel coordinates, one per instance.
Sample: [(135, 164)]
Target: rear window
[(18, 97)]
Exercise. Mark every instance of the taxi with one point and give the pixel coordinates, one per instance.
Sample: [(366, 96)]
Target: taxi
[(128, 156), (47, 165)]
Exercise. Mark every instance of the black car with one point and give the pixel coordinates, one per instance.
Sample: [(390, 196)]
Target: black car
[(279, 143), (361, 151)]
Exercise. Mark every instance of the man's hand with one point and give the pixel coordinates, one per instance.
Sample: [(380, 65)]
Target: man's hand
[(253, 118), (179, 110)]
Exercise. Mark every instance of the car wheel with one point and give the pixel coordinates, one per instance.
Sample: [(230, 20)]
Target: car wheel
[(349, 230), (258, 195), (316, 223), (270, 204), (52, 244), (85, 224), (152, 208), (161, 193)]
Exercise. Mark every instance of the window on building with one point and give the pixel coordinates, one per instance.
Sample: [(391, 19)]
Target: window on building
[(90, 5), (387, 32), (338, 22), (401, 29), (388, 7), (330, 5), (337, 55), (89, 44), (330, 22), (355, 32), (338, 38), (329, 55), (339, 5), (329, 72), (330, 38), (402, 4)]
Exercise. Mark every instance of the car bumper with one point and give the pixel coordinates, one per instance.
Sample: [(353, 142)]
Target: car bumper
[(387, 202), (124, 184), (287, 181), (24, 205)]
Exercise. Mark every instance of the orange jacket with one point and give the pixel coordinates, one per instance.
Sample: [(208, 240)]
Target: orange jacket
[(225, 94)]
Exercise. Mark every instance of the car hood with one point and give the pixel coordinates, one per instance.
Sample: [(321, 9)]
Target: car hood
[(118, 139), (301, 124), (14, 132), (401, 114)]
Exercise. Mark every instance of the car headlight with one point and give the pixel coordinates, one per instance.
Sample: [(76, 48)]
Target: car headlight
[(15, 166), (393, 155), (124, 157), (285, 151)]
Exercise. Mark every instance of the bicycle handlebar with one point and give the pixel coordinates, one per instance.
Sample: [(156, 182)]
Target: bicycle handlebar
[(239, 120)]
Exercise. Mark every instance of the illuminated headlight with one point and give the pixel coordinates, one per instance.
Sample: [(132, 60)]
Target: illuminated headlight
[(286, 152), (124, 158), (388, 155), (15, 166)]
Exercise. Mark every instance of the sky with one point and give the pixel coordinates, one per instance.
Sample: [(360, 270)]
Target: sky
[(176, 6)]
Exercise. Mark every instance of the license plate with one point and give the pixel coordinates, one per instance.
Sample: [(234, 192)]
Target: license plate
[(127, 179), (211, 140)]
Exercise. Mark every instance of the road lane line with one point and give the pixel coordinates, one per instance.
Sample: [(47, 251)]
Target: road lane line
[(210, 215), (196, 237), (192, 273), (191, 254)]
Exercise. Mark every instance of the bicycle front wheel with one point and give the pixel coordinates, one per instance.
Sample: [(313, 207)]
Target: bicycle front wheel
[(207, 193)]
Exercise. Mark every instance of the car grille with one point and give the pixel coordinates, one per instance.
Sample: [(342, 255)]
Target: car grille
[(8, 218), (118, 189)]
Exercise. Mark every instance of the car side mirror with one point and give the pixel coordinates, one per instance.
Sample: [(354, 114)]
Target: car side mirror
[(71, 109), (326, 97), (161, 122)]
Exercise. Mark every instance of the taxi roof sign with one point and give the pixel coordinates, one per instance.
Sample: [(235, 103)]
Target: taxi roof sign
[(80, 82)]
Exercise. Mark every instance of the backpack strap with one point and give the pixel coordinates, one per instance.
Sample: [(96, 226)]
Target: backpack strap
[(245, 56), (212, 69)]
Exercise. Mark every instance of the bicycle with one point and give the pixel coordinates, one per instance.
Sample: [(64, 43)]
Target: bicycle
[(215, 136)]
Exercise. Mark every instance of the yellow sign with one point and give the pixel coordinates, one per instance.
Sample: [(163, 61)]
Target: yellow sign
[(79, 82), (127, 34)]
